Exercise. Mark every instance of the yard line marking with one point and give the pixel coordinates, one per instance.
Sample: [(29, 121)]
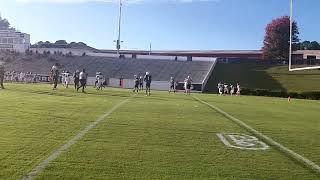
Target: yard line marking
[(308, 163), (40, 167)]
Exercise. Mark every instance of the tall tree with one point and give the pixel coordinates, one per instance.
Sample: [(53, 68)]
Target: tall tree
[(61, 42), (314, 45), (276, 41), (4, 24), (307, 45), (304, 45)]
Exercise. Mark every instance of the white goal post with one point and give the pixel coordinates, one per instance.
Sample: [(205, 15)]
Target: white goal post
[(290, 48)]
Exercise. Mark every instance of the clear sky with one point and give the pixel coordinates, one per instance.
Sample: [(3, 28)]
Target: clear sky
[(167, 24)]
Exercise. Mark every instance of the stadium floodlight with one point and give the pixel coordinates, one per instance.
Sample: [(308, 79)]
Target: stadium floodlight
[(290, 48), (150, 49), (119, 28)]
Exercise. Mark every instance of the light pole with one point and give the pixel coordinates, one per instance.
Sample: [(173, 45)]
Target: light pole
[(150, 48), (290, 48), (119, 28), (291, 22)]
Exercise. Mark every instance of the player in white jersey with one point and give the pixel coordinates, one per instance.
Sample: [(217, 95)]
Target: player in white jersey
[(226, 90), (100, 81), (83, 80), (231, 89), (21, 77), (220, 88), (188, 85), (63, 74), (185, 85), (97, 79), (238, 90), (66, 79)]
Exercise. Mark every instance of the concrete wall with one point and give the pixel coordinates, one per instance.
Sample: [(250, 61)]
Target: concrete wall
[(203, 59), (103, 55), (307, 53), (79, 52), (14, 40), (129, 84), (20, 48), (205, 81), (155, 57), (155, 85)]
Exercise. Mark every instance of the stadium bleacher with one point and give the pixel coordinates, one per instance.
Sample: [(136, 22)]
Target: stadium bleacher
[(161, 70)]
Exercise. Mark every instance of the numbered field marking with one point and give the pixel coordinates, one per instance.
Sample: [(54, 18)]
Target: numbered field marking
[(242, 141), (308, 163)]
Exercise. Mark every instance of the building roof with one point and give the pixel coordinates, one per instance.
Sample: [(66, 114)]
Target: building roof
[(187, 51)]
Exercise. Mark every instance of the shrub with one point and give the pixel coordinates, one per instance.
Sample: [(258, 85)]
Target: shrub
[(280, 93), (311, 95)]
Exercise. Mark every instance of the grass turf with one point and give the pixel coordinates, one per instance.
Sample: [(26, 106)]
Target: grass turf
[(158, 137), (250, 75)]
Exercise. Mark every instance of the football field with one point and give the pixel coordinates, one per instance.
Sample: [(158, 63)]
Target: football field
[(115, 134)]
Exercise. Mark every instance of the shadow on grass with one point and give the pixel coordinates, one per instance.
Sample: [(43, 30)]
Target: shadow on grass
[(251, 76), (69, 94)]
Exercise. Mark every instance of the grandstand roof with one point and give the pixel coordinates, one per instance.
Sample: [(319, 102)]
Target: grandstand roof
[(196, 53)]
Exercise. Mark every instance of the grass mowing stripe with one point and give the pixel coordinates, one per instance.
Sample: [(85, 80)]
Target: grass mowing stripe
[(308, 163), (40, 167)]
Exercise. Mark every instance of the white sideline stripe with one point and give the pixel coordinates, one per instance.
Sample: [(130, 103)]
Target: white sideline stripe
[(38, 169), (313, 166), (304, 68)]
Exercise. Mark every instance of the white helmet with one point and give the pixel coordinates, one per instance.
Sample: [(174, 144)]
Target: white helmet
[(147, 73)]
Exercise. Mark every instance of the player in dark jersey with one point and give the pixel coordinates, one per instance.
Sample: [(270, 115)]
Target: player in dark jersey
[(136, 84), (55, 75), (172, 85), (121, 82), (83, 80), (141, 83), (188, 85), (96, 81), (148, 80), (1, 76), (76, 79)]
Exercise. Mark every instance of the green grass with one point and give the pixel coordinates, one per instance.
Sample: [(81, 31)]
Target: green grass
[(165, 136), (253, 76)]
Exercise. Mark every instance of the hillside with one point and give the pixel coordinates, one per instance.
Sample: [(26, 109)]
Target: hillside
[(262, 76)]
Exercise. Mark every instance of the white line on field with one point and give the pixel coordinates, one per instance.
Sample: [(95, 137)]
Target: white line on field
[(313, 166), (38, 169)]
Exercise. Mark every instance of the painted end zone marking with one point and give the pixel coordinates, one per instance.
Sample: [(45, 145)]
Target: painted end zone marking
[(38, 169), (245, 143), (313, 166)]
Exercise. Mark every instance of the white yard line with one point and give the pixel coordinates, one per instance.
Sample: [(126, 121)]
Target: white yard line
[(313, 166), (54, 155)]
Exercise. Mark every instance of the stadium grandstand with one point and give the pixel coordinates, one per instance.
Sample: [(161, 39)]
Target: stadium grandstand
[(116, 68), (13, 40)]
